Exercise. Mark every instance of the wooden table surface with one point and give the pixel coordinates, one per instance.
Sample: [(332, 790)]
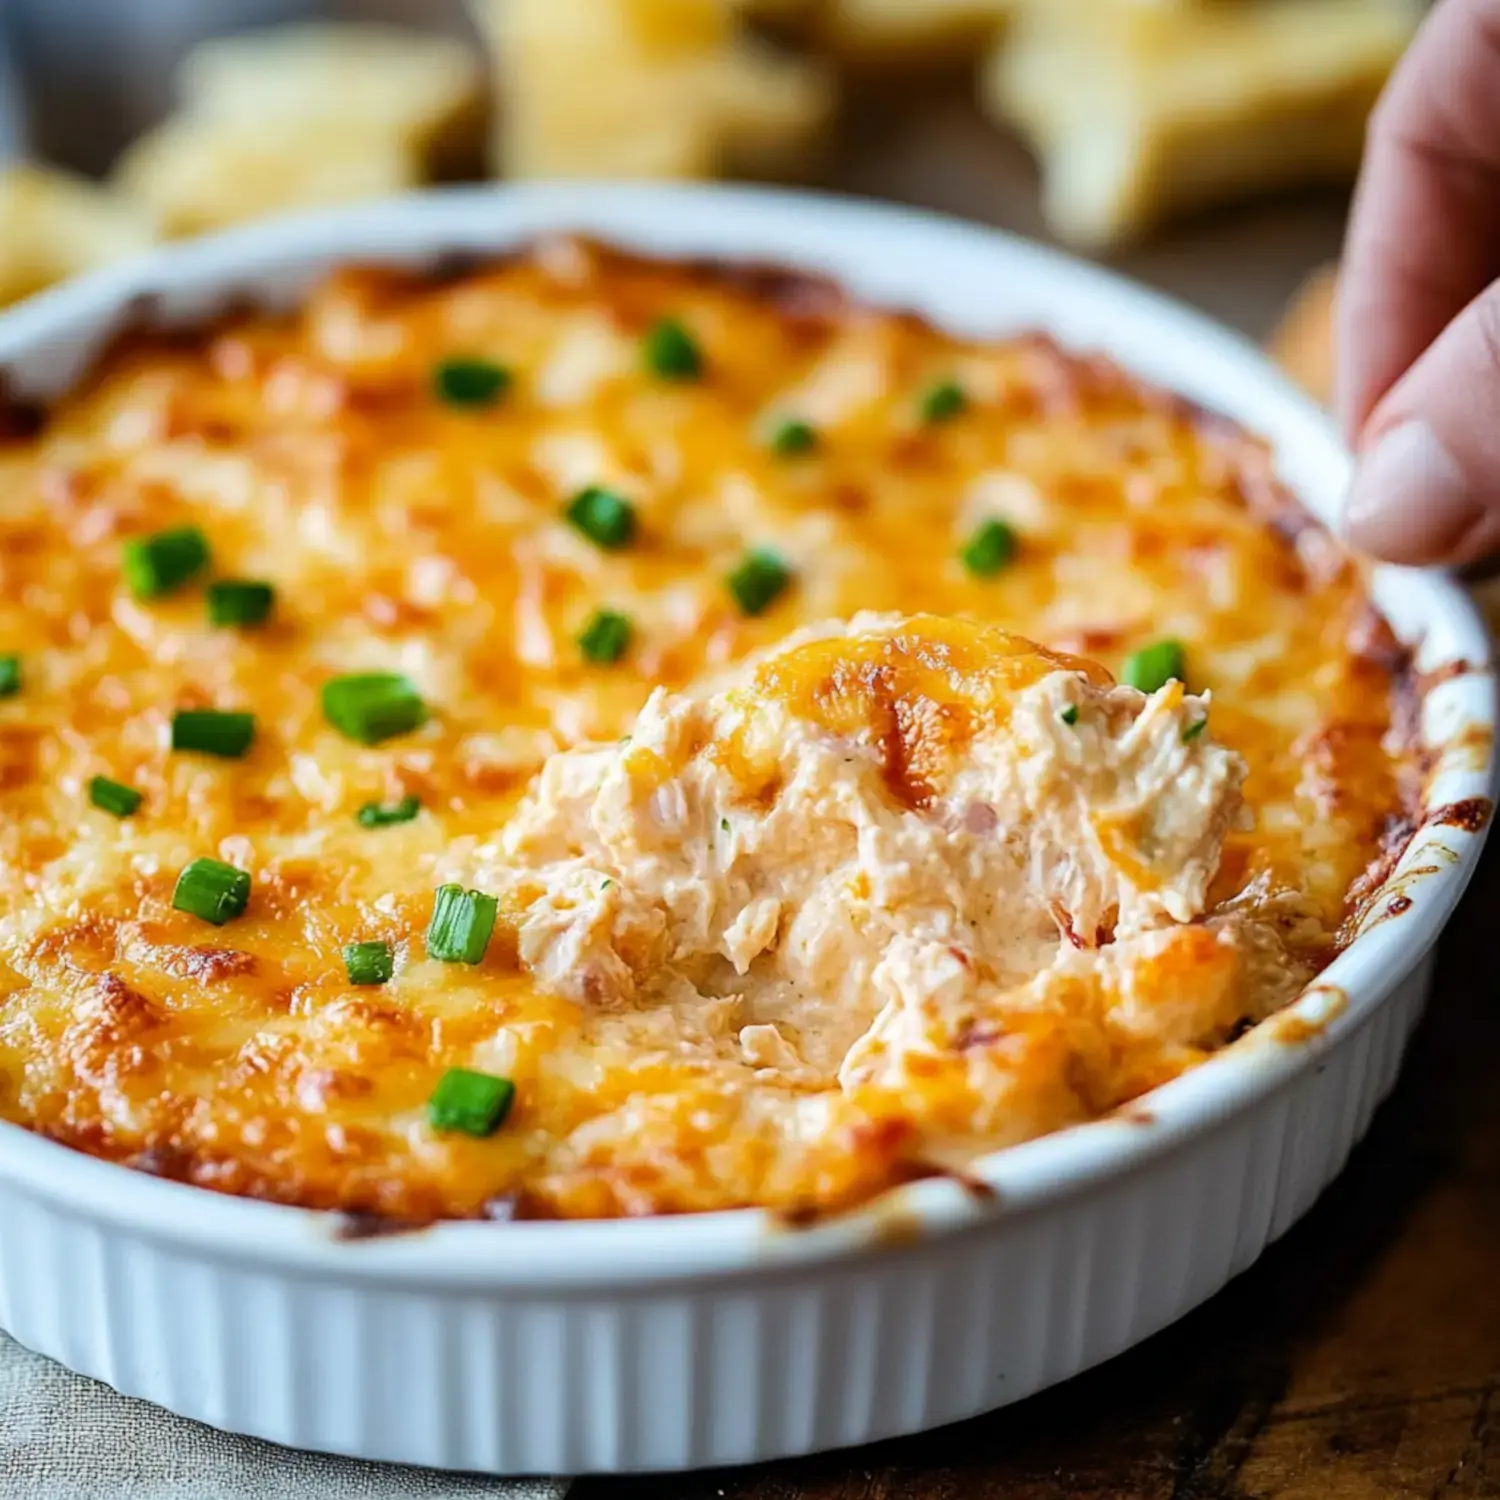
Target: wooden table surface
[(1360, 1358)]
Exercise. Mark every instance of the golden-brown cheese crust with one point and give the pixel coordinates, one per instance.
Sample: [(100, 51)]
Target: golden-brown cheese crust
[(405, 534)]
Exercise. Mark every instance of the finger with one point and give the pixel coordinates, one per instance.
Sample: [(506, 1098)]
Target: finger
[(1427, 487), (1424, 237)]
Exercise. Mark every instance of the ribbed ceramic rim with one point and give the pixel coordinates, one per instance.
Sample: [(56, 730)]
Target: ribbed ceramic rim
[(977, 281)]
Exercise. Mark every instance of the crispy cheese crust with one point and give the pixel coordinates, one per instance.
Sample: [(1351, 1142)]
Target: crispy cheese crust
[(402, 533)]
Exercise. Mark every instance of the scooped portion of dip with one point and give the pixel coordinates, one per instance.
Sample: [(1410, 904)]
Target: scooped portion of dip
[(914, 855)]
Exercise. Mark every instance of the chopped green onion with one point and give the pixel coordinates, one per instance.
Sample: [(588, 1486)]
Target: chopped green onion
[(113, 797), (212, 890), (157, 564), (989, 549), (724, 825), (943, 402), (210, 732), (461, 925), (10, 676), (1194, 730), (1154, 666), (1069, 715), (606, 637), (470, 1103), (605, 518), (369, 963), (793, 437), (759, 580), (672, 353), (470, 382), (373, 706), (239, 601), (378, 815)]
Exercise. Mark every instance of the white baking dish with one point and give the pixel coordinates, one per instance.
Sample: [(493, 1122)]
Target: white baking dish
[(661, 1344)]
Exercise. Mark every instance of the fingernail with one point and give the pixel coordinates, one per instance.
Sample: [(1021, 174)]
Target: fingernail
[(1410, 501)]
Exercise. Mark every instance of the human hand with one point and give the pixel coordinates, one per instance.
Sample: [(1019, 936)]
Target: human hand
[(1419, 302)]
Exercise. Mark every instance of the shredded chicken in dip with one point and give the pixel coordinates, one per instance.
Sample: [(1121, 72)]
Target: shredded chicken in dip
[(921, 864)]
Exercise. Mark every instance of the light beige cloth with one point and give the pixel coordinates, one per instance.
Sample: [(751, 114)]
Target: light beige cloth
[(63, 1437)]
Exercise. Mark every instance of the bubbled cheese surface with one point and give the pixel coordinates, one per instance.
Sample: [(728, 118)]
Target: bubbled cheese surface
[(406, 534)]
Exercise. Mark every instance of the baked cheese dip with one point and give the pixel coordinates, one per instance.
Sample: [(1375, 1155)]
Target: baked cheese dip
[(581, 736)]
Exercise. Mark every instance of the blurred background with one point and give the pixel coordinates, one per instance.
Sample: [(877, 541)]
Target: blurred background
[(1204, 146)]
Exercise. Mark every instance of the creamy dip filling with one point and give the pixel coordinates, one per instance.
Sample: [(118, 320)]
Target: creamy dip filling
[(890, 843)]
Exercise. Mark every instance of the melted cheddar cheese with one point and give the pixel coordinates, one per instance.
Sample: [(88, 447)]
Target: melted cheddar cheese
[(406, 534)]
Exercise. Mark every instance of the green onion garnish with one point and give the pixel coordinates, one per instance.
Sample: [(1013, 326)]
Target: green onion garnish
[(672, 353), (378, 815), (1154, 666), (213, 733), (606, 637), (373, 706), (470, 382), (1069, 715), (1194, 730), (113, 797), (759, 580), (470, 1103), (943, 402), (461, 925), (605, 518), (157, 564), (793, 437), (10, 676), (239, 601), (369, 963), (989, 549), (212, 890)]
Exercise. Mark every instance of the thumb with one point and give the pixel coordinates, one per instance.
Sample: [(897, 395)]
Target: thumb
[(1427, 479)]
